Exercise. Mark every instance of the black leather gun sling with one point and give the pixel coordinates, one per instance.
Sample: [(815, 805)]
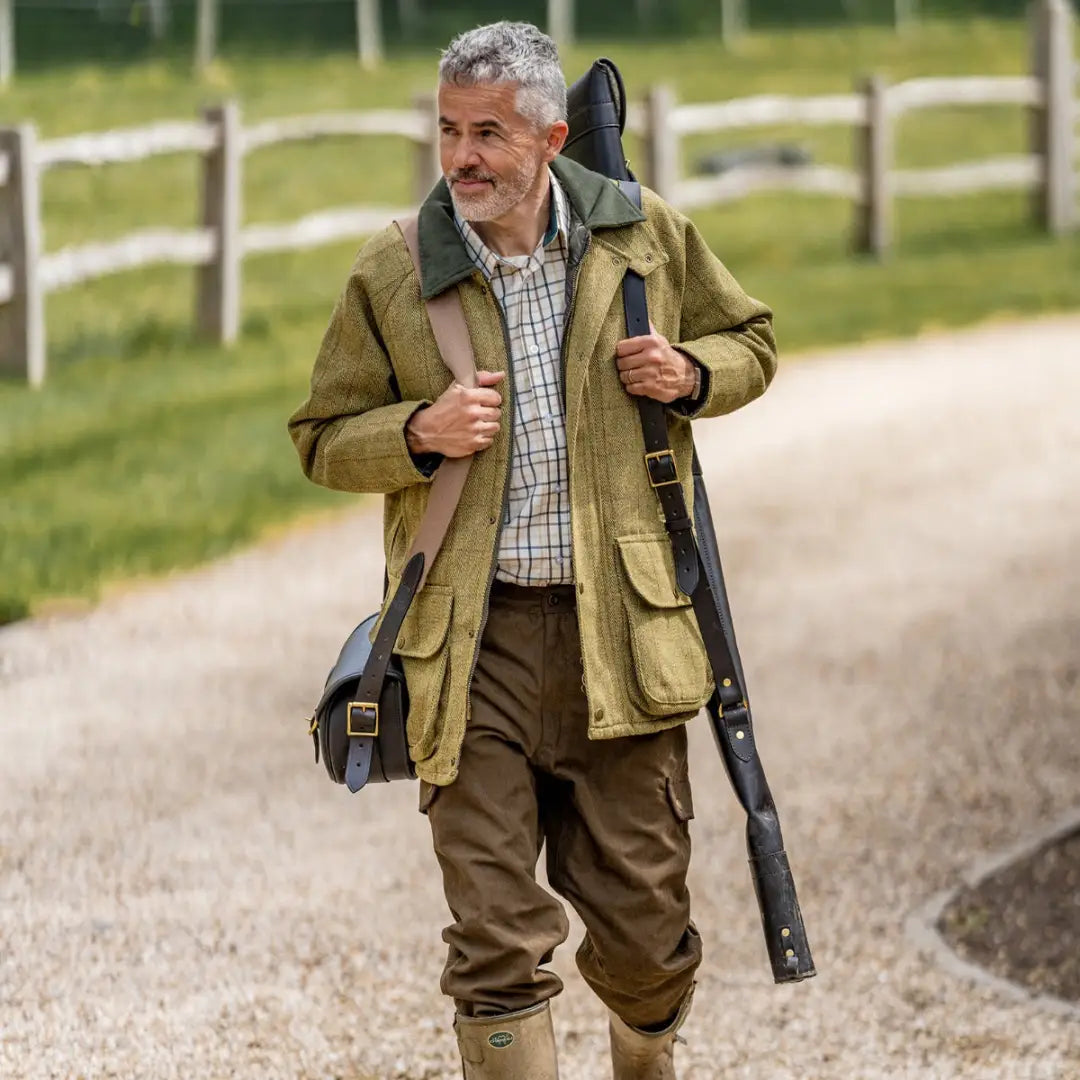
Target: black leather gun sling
[(699, 575)]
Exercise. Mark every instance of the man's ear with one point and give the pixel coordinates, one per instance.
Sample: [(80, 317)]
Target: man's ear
[(556, 139)]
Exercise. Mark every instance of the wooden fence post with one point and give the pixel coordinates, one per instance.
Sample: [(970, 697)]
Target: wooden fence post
[(22, 318), (409, 17), (906, 13), (560, 21), (426, 165), (159, 19), (7, 41), (1053, 130), (874, 151), (646, 12), (732, 21), (661, 149), (217, 312), (206, 32), (368, 34)]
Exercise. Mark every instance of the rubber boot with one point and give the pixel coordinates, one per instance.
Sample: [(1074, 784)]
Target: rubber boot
[(513, 1046), (646, 1055)]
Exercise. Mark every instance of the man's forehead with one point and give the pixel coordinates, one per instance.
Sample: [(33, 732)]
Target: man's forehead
[(497, 101)]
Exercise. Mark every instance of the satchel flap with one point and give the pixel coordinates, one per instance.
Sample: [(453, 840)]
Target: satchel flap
[(650, 567), (350, 662), (426, 624)]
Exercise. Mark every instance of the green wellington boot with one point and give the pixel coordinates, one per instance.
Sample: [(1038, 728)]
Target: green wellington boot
[(514, 1046), (646, 1055)]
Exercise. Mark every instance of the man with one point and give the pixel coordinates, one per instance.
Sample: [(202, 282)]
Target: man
[(551, 659)]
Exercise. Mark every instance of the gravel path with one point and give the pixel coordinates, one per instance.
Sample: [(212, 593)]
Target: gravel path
[(183, 894)]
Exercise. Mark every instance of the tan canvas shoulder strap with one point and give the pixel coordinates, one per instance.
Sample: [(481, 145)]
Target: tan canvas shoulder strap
[(452, 336)]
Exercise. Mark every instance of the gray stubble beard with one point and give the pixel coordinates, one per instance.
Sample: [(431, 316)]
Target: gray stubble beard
[(501, 199)]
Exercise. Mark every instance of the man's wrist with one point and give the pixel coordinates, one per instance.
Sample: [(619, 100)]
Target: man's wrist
[(692, 383), (424, 458), (414, 438)]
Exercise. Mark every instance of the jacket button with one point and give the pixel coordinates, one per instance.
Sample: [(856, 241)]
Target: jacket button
[(648, 258), (599, 714), (491, 521)]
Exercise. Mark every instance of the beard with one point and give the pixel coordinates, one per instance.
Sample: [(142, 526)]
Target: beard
[(500, 197)]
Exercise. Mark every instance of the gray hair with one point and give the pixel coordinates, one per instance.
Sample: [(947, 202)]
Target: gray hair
[(510, 52)]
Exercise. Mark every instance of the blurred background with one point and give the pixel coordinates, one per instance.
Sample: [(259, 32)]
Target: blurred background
[(148, 445), (183, 188)]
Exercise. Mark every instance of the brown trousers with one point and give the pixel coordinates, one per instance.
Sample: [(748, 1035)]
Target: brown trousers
[(613, 814)]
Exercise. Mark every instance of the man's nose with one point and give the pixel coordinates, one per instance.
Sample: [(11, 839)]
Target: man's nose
[(465, 154)]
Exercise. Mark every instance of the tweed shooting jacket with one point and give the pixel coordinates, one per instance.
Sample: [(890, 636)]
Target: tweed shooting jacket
[(645, 664)]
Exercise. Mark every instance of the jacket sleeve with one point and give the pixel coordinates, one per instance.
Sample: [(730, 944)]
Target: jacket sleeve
[(729, 334), (350, 433)]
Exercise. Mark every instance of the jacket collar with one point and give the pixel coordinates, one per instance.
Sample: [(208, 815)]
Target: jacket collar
[(594, 200)]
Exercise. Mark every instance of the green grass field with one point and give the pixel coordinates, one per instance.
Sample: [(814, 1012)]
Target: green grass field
[(147, 451)]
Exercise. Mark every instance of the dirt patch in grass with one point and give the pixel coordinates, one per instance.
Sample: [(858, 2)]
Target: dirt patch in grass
[(1023, 922)]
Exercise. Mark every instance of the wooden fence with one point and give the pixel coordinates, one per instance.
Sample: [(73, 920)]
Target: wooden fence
[(217, 249), (1049, 170)]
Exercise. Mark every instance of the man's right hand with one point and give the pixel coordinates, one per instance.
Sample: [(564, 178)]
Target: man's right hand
[(461, 422)]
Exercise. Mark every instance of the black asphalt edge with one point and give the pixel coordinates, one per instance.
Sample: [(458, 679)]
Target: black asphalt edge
[(921, 925)]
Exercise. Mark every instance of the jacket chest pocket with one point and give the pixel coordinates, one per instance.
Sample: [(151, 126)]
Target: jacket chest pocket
[(671, 669)]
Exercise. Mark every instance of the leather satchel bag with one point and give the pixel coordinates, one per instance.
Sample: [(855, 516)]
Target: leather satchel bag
[(359, 725)]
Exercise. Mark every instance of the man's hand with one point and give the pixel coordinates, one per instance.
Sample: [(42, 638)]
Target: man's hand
[(461, 422), (650, 367)]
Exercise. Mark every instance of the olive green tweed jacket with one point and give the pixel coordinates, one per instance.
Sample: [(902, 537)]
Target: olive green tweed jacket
[(645, 665)]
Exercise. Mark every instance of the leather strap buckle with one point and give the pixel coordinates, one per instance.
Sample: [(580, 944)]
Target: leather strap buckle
[(368, 712), (662, 468)]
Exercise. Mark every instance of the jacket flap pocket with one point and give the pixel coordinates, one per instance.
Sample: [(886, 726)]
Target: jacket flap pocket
[(650, 567), (424, 629)]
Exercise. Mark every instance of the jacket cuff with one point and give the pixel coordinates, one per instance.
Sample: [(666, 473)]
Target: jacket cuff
[(426, 463), (691, 404), (369, 452)]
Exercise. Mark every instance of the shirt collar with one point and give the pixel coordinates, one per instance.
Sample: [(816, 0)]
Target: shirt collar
[(490, 262)]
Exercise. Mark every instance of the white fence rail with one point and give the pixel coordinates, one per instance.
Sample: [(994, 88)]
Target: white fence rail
[(28, 274), (1050, 170), (132, 144), (218, 248)]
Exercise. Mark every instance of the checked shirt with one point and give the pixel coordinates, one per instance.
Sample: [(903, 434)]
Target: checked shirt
[(534, 546)]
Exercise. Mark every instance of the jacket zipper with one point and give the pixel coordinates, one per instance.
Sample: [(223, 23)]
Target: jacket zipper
[(567, 317)]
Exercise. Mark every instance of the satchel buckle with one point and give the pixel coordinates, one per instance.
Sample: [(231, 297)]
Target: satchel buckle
[(368, 715), (661, 467)]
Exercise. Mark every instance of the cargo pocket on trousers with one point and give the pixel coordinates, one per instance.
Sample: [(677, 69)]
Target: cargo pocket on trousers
[(421, 644), (679, 797), (670, 666), (428, 792)]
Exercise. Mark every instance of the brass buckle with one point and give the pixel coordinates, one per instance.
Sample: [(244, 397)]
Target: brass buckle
[(666, 460), (363, 706)]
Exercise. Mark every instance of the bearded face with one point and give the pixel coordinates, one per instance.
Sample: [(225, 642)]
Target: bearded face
[(492, 156)]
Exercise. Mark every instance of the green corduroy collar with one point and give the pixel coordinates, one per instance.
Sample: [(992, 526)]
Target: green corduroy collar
[(594, 199)]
